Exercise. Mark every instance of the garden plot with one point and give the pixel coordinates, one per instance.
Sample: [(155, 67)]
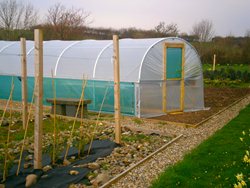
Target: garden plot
[(135, 146)]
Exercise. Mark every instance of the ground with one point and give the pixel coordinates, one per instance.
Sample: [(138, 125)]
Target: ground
[(141, 145), (215, 98)]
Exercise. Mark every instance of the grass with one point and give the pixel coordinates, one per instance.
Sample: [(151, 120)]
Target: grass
[(226, 83), (215, 162), (19, 131)]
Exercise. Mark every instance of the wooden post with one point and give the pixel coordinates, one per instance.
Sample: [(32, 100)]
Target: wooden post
[(54, 122), (182, 78), (38, 99), (117, 89), (214, 62), (164, 80), (24, 81)]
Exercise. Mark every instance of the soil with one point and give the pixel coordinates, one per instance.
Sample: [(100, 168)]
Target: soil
[(216, 99)]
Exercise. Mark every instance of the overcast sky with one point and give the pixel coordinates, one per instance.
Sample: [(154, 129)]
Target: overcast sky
[(230, 17)]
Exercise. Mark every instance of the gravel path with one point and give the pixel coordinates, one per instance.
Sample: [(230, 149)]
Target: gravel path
[(143, 175)]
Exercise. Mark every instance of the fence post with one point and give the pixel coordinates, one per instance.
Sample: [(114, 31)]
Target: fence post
[(38, 99), (214, 62), (24, 81), (117, 89)]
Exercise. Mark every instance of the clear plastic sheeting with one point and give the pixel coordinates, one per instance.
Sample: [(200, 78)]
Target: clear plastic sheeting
[(141, 73), (150, 98), (173, 95), (194, 96)]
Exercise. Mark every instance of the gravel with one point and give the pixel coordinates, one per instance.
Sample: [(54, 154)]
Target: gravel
[(143, 175)]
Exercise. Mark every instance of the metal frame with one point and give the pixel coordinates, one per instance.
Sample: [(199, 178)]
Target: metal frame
[(164, 77)]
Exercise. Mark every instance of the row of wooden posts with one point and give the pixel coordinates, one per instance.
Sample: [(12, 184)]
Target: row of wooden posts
[(38, 92)]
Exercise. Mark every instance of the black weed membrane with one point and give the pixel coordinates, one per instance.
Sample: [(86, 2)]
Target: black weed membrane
[(60, 176)]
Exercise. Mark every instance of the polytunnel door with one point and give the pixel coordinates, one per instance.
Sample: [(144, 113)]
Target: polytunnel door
[(173, 77)]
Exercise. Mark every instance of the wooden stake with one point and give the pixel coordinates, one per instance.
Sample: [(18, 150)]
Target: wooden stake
[(117, 90), (8, 137), (73, 126), (54, 122), (11, 101), (97, 120), (25, 132), (81, 125), (24, 81), (164, 80), (6, 106), (182, 98), (214, 62), (38, 99)]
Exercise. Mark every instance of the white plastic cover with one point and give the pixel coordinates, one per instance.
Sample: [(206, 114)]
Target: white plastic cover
[(140, 59)]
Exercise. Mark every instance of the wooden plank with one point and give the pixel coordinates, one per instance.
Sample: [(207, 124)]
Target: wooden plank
[(117, 90), (173, 45), (214, 62), (38, 99), (175, 79), (24, 82), (164, 87), (70, 101), (182, 98)]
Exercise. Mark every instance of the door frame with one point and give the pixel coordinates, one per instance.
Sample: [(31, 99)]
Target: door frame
[(164, 77)]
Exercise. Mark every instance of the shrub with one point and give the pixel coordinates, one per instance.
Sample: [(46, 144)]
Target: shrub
[(246, 76)]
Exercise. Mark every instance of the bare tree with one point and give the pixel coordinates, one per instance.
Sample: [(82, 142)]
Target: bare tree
[(30, 16), (65, 21), (160, 28), (15, 15), (9, 14), (203, 30), (167, 29)]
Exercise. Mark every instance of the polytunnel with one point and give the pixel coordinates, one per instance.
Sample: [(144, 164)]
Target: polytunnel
[(157, 75)]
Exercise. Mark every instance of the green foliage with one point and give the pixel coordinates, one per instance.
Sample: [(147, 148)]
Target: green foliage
[(213, 163), (231, 75), (16, 34), (227, 75)]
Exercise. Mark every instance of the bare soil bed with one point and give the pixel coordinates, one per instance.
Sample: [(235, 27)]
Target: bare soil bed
[(216, 99)]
